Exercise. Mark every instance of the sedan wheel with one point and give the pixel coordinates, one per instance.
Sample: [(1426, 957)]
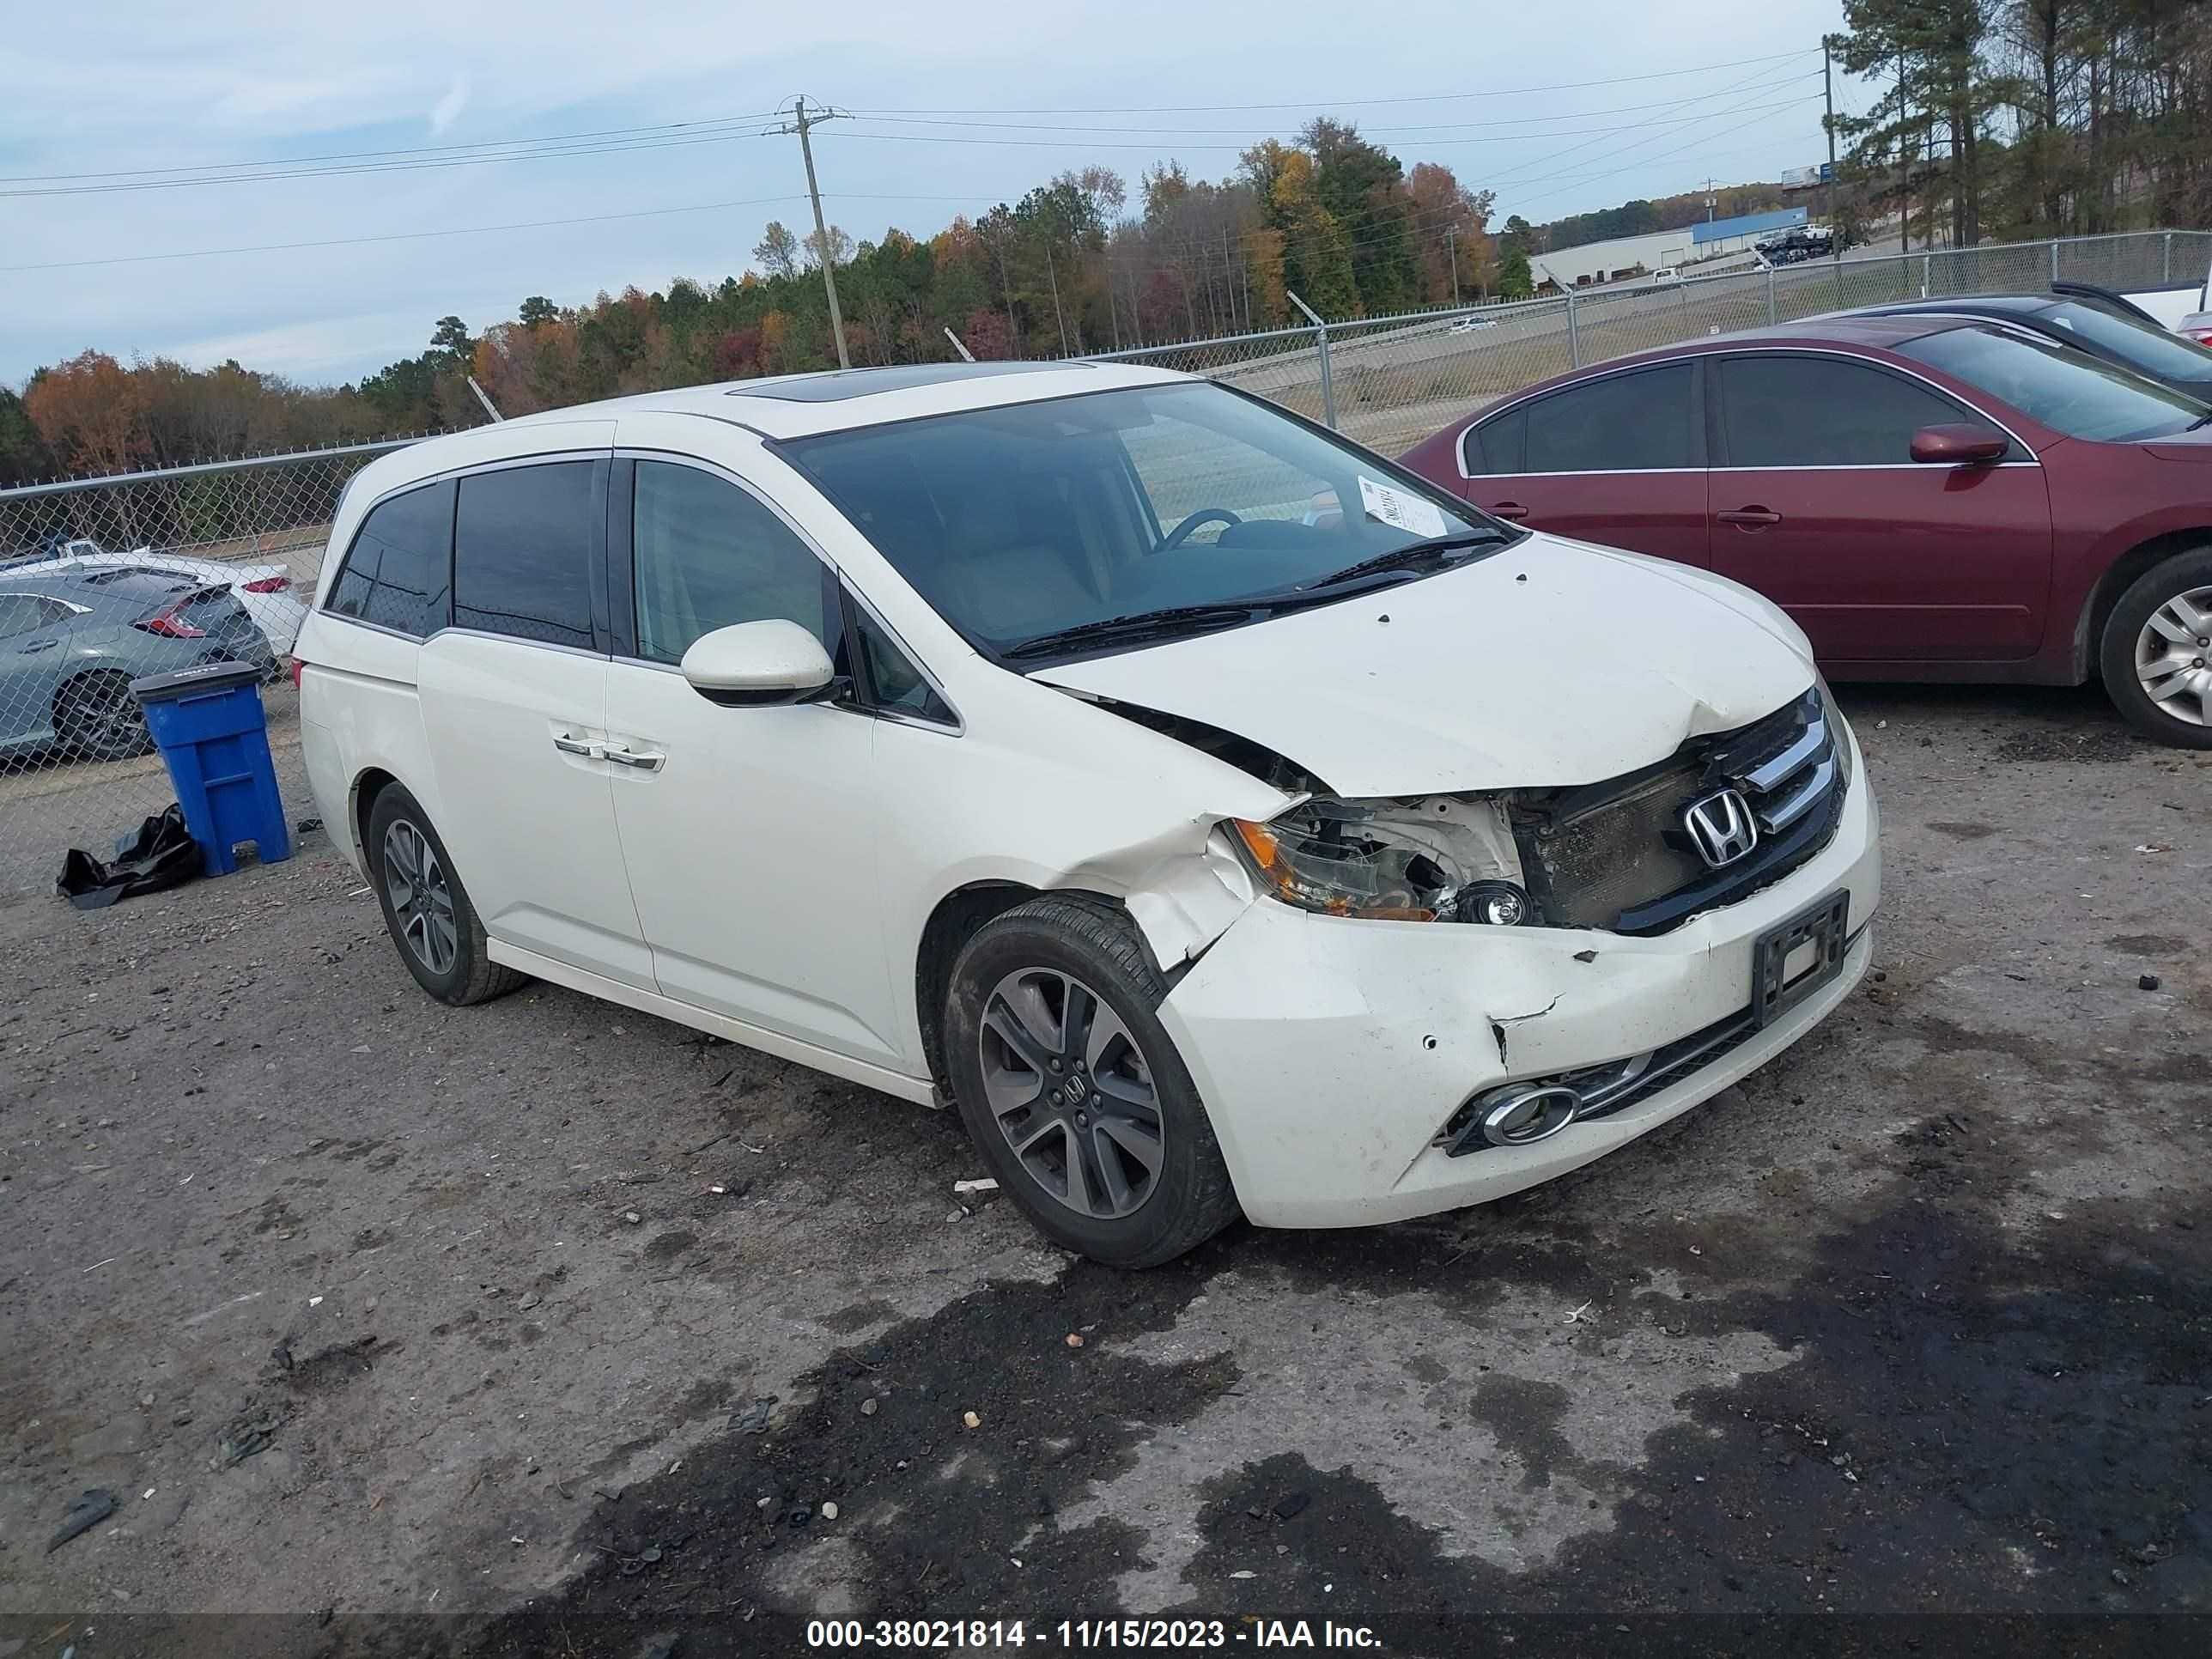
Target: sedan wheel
[(2173, 657), (422, 898), (2154, 651), (1071, 1093)]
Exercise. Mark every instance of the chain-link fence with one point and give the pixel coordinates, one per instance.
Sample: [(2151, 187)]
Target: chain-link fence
[(105, 579), (1390, 382)]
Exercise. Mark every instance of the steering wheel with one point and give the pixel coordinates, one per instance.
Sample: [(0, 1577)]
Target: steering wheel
[(1203, 516)]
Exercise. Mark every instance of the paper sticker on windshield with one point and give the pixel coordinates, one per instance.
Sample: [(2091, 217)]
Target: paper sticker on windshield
[(1395, 506)]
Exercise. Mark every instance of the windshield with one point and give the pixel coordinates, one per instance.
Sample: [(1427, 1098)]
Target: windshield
[(2066, 389), (2137, 343), (1021, 522)]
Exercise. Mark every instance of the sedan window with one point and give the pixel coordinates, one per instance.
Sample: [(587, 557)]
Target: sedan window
[(1785, 410), (2066, 389), (1637, 423), (19, 613), (2153, 350)]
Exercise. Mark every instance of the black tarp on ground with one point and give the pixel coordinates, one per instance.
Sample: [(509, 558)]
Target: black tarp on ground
[(161, 854)]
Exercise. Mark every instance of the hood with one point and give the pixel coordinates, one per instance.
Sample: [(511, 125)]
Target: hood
[(1551, 663)]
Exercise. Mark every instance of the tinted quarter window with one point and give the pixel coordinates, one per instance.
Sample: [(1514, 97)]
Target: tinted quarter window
[(400, 568), (1638, 423), (1499, 446), (1823, 411), (522, 553), (709, 555)]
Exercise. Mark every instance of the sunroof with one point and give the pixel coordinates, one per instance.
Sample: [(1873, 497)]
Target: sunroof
[(840, 384)]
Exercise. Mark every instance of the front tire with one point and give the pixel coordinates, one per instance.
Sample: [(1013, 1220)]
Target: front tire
[(1073, 1090), (2155, 656), (425, 909)]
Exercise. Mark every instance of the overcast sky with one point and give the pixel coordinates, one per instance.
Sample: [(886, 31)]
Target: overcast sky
[(129, 85)]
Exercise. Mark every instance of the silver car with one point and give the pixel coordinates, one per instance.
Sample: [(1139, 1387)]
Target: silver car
[(72, 640)]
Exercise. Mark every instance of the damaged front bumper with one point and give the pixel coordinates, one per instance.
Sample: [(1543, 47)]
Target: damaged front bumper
[(1332, 1052)]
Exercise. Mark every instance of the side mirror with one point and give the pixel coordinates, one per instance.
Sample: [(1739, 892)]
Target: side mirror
[(759, 664), (1959, 443)]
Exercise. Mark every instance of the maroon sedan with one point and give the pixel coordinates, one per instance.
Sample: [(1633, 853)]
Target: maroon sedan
[(1930, 498)]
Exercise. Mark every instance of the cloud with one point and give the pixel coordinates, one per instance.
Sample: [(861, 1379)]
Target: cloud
[(449, 109)]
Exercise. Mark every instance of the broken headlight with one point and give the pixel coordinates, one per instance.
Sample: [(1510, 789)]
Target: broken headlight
[(1438, 858)]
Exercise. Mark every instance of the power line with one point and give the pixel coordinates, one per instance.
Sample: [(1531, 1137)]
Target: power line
[(418, 166), (1154, 130), (1155, 148), (457, 230), (367, 154), (1346, 103)]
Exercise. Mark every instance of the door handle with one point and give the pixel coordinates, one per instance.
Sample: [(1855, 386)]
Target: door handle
[(636, 760), (569, 744), (1512, 510), (1750, 517)]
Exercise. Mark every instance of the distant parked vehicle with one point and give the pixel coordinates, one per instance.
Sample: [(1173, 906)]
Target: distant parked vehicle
[(1664, 275), (1470, 324), (2106, 325), (265, 590), (1928, 496), (72, 639)]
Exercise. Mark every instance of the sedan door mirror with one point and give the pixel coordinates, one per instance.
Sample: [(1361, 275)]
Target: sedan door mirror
[(1959, 443), (759, 664)]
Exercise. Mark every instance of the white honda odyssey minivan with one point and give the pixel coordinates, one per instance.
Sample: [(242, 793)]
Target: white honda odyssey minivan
[(1221, 817)]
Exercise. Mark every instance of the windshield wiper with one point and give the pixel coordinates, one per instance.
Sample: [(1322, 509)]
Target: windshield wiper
[(1141, 625), (1401, 558)]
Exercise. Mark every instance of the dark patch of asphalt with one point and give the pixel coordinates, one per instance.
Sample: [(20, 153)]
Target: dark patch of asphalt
[(1982, 1442)]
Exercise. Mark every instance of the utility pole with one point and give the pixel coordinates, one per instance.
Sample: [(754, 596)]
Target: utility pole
[(1451, 244), (801, 122), (1904, 164), (1053, 276), (1828, 92)]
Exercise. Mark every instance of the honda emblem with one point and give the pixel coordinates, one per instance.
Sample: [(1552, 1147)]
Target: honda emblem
[(1722, 828)]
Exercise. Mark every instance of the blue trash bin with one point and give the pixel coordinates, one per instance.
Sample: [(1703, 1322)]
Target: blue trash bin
[(209, 725)]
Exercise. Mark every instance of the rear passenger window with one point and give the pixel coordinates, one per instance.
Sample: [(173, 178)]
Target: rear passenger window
[(399, 571), (1638, 423), (522, 552), (709, 555), (1820, 411), (1499, 446)]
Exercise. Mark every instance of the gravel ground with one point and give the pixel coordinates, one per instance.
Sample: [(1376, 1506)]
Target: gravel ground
[(546, 1327)]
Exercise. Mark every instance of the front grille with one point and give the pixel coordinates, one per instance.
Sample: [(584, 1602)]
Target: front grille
[(1616, 856)]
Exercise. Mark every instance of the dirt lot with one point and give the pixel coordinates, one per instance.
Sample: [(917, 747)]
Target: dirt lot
[(545, 1328)]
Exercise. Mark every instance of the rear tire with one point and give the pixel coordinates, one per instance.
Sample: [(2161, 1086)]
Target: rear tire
[(425, 909), (97, 718), (1073, 1090), (2155, 655)]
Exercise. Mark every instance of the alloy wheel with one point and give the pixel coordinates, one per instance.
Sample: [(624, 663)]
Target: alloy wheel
[(105, 718), (422, 898), (2173, 657), (1070, 1088)]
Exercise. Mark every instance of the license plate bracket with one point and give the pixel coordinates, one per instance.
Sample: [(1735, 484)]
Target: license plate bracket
[(1790, 961)]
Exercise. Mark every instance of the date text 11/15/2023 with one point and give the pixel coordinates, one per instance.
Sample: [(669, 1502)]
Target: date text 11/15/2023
[(1085, 1634)]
